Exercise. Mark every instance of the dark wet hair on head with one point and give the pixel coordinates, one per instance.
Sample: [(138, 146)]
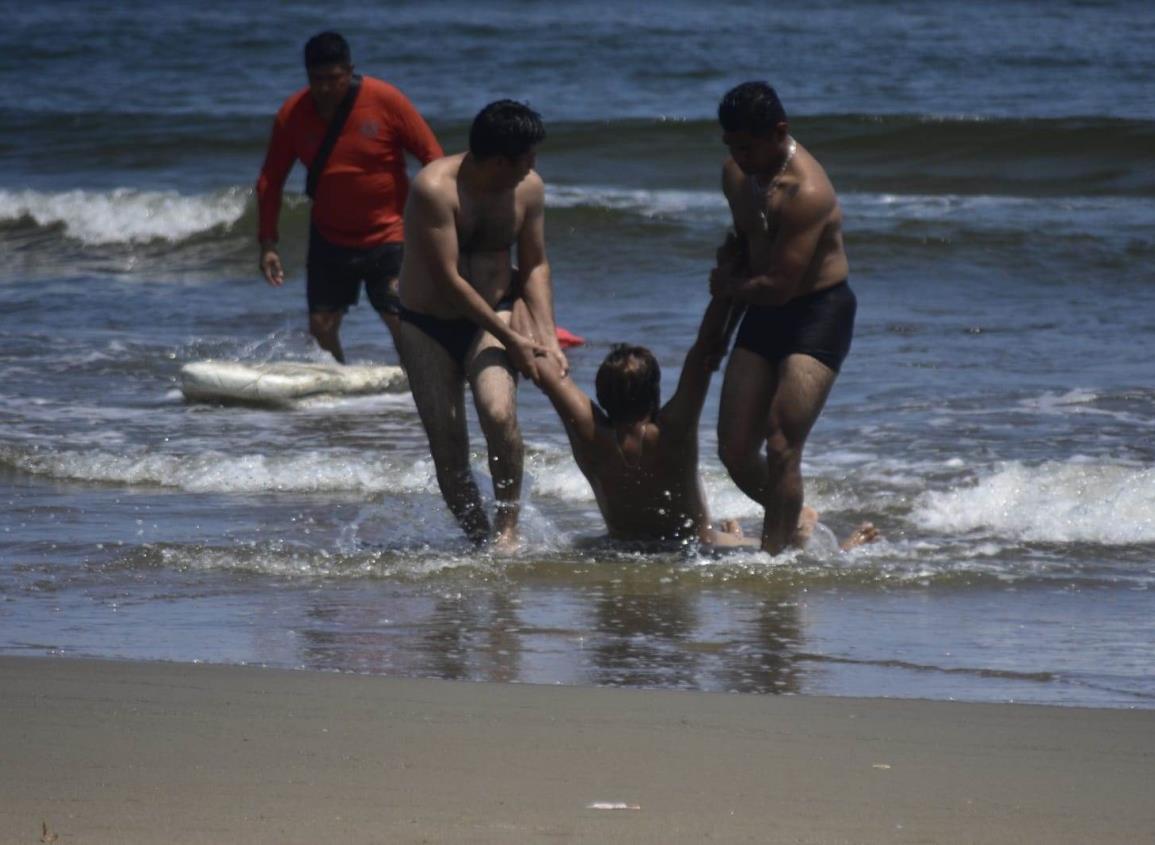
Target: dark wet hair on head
[(629, 383), (505, 128), (751, 107), (327, 48)]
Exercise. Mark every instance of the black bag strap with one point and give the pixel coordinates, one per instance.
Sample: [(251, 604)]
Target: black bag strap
[(335, 127)]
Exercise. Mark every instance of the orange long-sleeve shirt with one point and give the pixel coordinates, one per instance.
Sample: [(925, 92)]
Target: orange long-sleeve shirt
[(361, 195)]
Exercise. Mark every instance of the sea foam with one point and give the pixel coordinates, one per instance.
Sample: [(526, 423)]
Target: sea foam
[(218, 472), (126, 215), (1055, 502)]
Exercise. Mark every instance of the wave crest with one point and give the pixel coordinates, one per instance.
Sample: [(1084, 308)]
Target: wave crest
[(1054, 502), (126, 215)]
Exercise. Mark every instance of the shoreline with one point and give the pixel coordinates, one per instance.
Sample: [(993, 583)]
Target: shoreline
[(107, 751)]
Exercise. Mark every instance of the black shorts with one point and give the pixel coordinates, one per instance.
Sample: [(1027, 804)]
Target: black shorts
[(455, 335), (335, 274), (819, 324)]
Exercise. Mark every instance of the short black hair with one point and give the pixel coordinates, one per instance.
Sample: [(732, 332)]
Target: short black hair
[(751, 107), (505, 128), (629, 383), (327, 48)]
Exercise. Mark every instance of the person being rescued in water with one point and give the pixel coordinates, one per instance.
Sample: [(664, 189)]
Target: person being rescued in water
[(465, 215), (641, 457)]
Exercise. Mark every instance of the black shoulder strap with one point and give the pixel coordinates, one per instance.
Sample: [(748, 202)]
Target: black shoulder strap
[(335, 127)]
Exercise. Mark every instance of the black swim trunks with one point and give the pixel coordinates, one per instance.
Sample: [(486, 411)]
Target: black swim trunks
[(335, 274), (820, 325), (455, 335)]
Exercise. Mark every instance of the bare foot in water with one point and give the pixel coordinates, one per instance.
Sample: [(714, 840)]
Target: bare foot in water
[(860, 536), (505, 542), (807, 519), (731, 527)]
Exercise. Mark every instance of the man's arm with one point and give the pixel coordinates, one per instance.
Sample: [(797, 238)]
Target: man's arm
[(575, 408), (685, 406), (279, 158), (536, 285), (414, 133), (802, 219), (430, 219)]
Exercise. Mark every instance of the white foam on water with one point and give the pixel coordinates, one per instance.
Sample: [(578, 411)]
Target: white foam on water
[(217, 472), (647, 203), (1081, 402), (989, 210), (285, 561), (1076, 501), (126, 215), (557, 476)]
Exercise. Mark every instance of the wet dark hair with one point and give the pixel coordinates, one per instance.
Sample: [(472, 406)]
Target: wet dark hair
[(505, 128), (629, 383), (327, 48), (751, 107)]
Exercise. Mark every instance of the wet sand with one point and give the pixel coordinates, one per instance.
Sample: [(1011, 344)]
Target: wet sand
[(110, 752)]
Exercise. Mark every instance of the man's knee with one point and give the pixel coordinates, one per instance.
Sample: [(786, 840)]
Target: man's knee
[(324, 323), (499, 420), (450, 452), (782, 453), (737, 454)]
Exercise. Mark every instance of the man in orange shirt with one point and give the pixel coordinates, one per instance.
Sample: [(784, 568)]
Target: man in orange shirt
[(355, 229)]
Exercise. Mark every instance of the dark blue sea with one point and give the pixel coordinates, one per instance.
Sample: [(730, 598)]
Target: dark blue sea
[(996, 417)]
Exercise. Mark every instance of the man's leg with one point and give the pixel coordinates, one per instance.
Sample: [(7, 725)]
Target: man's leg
[(494, 384), (747, 391), (325, 327), (803, 385), (388, 309), (330, 288), (382, 268), (436, 381), (393, 323)]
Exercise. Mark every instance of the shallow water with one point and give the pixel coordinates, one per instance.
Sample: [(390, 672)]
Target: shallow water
[(995, 418)]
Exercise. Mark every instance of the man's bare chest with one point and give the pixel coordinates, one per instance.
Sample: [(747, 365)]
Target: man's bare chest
[(487, 225)]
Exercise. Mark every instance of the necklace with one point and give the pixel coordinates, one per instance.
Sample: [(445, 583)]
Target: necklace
[(761, 195)]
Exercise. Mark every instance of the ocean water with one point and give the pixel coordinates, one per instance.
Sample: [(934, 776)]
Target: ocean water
[(996, 418)]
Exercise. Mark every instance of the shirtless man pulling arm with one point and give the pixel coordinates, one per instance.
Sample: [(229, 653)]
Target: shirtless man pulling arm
[(786, 267), (458, 285)]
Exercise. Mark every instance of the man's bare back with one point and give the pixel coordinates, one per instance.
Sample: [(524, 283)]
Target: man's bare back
[(642, 462)]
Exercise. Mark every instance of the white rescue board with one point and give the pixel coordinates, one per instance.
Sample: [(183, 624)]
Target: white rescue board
[(283, 382)]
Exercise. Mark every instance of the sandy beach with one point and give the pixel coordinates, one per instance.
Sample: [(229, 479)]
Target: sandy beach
[(123, 752)]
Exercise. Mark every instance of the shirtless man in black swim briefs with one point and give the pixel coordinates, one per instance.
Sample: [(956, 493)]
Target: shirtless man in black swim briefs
[(465, 214), (786, 268)]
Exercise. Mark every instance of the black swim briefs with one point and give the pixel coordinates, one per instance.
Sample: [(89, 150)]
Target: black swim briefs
[(819, 324), (335, 274), (454, 335)]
